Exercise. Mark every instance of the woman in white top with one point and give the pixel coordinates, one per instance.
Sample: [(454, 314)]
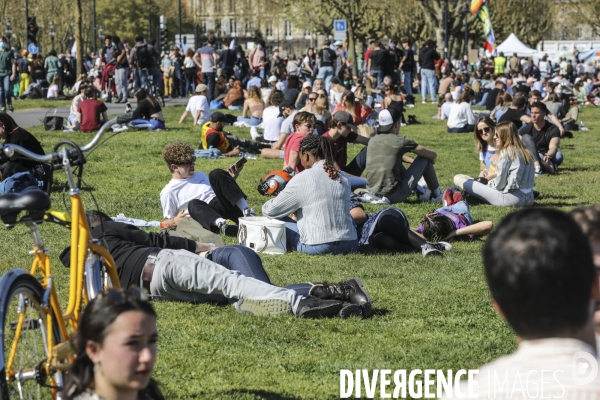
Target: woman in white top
[(336, 92), (189, 63), (461, 118), (53, 89), (544, 67), (72, 118), (512, 185), (271, 120), (307, 65), (485, 145)]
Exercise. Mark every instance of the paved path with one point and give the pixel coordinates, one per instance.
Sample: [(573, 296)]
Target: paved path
[(28, 118)]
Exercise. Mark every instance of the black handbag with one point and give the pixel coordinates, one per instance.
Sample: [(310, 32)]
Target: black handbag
[(53, 122)]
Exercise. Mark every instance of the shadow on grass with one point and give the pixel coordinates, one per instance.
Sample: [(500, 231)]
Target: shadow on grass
[(380, 312), (573, 169)]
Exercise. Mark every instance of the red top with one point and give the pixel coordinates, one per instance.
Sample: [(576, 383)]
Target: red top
[(341, 148), (91, 110), (293, 143)]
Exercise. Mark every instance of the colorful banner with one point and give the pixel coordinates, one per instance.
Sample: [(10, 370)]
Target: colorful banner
[(475, 6), (488, 31)]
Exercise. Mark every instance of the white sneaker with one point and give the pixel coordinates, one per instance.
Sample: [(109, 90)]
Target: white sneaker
[(422, 183), (538, 172), (367, 197)]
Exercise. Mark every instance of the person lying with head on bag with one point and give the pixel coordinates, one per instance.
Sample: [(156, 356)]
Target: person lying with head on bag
[(319, 196), (179, 269)]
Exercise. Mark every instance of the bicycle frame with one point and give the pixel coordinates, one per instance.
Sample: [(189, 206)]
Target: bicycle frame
[(82, 244)]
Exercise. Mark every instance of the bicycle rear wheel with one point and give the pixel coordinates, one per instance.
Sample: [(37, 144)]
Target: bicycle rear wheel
[(26, 378)]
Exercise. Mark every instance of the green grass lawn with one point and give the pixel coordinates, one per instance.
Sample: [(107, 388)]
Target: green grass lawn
[(39, 103), (429, 313)]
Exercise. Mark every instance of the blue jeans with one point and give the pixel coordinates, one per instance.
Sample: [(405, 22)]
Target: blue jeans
[(252, 121), (377, 74), (407, 82), (428, 83), (556, 160), (464, 129), (483, 101), (326, 73), (5, 94), (208, 78), (293, 242), (150, 124), (356, 182), (235, 108), (241, 259), (460, 208)]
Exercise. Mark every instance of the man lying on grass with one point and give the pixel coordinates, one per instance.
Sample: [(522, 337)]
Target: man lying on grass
[(178, 269)]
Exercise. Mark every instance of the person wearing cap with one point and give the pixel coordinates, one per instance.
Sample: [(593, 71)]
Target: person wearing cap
[(340, 60), (327, 59), (302, 97), (342, 132), (266, 91), (197, 106), (212, 135), (25, 71), (386, 176), (287, 110), (8, 74)]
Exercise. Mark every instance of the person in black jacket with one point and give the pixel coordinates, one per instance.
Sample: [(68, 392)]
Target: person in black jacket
[(427, 58), (11, 133), (170, 268)]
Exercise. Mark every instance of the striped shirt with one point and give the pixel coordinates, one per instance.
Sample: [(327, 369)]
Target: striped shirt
[(207, 58)]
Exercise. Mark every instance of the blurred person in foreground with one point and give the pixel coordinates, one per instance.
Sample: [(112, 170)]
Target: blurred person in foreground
[(539, 268)]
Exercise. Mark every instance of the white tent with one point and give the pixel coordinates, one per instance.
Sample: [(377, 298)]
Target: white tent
[(512, 45)]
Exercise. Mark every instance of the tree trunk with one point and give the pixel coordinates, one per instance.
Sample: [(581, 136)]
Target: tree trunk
[(351, 47), (78, 40)]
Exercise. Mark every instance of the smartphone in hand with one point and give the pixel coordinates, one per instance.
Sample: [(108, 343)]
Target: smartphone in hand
[(240, 163)]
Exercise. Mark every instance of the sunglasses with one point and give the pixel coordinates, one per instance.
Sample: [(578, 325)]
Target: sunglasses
[(312, 98), (116, 297), (189, 162), (487, 129), (310, 126)]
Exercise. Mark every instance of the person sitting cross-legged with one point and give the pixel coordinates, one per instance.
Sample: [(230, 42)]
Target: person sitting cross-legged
[(210, 200), (178, 269)]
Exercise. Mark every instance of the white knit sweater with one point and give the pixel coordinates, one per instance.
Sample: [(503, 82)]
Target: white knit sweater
[(322, 205)]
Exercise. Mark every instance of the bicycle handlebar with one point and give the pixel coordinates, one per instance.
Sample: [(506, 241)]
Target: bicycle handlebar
[(11, 149)]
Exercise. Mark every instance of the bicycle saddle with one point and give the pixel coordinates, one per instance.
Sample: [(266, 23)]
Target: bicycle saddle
[(32, 199)]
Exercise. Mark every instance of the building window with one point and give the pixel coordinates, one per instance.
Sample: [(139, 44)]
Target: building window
[(200, 7), (217, 6), (232, 26), (202, 27), (232, 5), (288, 28), (269, 29), (249, 28)]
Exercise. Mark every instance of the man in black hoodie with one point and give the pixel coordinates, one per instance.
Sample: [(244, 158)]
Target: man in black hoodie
[(427, 58), (175, 268)]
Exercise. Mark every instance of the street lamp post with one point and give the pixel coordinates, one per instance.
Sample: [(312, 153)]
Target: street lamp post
[(52, 33), (466, 13), (94, 27), (101, 35)]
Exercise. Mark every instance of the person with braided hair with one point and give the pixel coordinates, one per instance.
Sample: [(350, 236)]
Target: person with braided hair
[(319, 197)]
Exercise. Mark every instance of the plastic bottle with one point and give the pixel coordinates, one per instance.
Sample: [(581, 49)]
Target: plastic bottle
[(248, 156)]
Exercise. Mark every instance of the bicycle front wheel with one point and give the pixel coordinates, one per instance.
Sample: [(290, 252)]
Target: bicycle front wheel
[(24, 336)]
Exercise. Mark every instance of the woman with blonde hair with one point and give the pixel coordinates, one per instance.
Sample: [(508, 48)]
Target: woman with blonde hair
[(461, 118), (514, 181), (254, 106), (356, 109), (503, 101), (318, 104)]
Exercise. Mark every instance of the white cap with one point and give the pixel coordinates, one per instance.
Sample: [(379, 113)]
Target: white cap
[(306, 84), (272, 78)]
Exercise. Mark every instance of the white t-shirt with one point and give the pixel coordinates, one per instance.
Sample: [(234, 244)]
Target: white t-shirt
[(199, 102), (446, 107), (461, 115), (286, 126), (177, 194), (271, 123), (52, 92)]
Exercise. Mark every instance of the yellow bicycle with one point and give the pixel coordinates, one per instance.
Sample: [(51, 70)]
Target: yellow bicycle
[(35, 352)]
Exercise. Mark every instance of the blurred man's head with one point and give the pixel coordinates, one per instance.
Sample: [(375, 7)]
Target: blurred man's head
[(539, 268)]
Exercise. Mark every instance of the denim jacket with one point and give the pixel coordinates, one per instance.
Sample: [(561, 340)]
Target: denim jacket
[(513, 174)]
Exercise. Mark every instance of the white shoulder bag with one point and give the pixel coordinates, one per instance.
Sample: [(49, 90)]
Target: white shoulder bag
[(262, 234)]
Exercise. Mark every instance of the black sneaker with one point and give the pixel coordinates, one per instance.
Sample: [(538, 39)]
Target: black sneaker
[(11, 108), (350, 291), (228, 229), (355, 310), (312, 307)]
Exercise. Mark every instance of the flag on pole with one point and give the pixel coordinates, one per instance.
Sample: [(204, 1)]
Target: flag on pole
[(475, 6), (488, 31)]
